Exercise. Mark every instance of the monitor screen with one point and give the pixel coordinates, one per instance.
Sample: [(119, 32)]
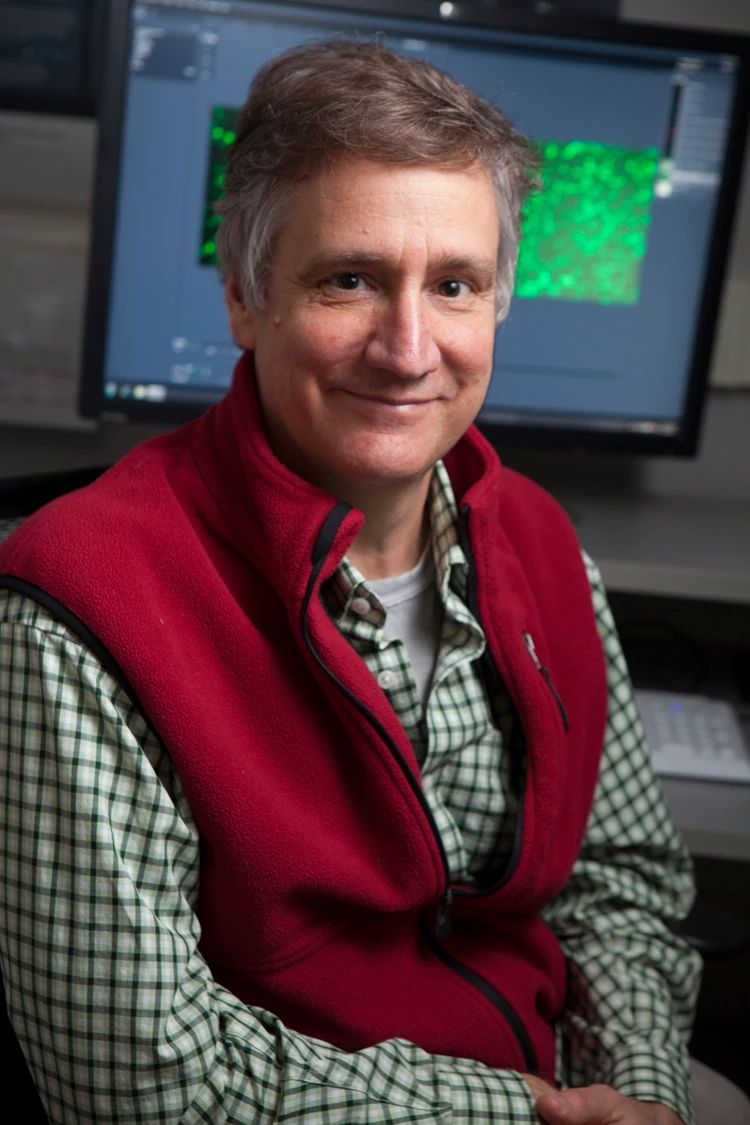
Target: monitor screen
[(639, 133)]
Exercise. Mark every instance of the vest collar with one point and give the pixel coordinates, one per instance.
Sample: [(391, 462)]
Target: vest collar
[(269, 513)]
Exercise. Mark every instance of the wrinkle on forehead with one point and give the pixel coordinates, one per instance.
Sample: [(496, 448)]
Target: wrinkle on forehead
[(359, 212)]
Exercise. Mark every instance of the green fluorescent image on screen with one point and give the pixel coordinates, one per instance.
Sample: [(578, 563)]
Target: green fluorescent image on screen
[(223, 129), (584, 234)]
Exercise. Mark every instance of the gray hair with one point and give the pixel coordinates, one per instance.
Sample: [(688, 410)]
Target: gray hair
[(393, 110)]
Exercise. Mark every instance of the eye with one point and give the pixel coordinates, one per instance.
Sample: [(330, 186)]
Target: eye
[(347, 281), (452, 288)]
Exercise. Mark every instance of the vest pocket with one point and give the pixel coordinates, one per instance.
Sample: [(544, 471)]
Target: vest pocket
[(528, 641)]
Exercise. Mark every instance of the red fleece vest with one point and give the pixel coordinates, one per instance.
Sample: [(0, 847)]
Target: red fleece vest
[(197, 563)]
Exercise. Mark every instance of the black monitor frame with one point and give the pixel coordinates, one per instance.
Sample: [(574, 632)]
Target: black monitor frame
[(78, 97), (496, 16)]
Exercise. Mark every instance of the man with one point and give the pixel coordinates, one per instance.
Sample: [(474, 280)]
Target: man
[(309, 817)]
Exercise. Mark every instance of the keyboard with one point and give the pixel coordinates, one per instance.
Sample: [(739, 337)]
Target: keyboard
[(694, 736)]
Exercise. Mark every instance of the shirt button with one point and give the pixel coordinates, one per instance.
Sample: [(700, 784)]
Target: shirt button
[(360, 606), (386, 679)]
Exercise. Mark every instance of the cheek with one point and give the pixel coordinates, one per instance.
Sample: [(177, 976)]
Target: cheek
[(346, 327), (321, 342), (469, 340), (471, 356)]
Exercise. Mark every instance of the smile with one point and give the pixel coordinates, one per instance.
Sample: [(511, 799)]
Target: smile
[(387, 403)]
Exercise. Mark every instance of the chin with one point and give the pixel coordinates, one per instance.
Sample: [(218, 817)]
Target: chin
[(396, 460), (389, 472)]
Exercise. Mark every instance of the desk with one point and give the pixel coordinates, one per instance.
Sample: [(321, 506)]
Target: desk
[(686, 561), (676, 547), (713, 816)]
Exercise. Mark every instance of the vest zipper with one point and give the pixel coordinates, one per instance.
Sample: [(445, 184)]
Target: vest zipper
[(528, 640), (320, 553), (498, 1001), (442, 926), (490, 674)]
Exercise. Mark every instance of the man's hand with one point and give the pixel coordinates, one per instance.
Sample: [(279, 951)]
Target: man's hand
[(597, 1105), (538, 1086)]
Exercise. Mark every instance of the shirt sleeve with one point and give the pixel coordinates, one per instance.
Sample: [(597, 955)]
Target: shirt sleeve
[(117, 1012), (632, 982)]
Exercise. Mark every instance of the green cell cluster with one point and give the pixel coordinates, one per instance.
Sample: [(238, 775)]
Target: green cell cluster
[(223, 131), (584, 235)]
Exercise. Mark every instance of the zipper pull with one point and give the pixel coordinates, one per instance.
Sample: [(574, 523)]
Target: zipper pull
[(443, 925), (528, 640)]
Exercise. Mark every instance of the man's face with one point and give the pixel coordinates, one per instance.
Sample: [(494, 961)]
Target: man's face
[(374, 351)]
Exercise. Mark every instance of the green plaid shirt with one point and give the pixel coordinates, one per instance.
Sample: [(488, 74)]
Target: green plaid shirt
[(118, 1013)]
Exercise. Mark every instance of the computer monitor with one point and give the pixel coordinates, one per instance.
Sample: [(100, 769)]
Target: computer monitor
[(50, 56), (640, 133)]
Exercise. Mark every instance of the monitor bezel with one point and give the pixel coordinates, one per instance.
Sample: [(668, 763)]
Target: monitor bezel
[(81, 101), (530, 434)]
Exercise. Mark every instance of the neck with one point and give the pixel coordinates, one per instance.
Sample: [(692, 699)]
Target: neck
[(395, 531)]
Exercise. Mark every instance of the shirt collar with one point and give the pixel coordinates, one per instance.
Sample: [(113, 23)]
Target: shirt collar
[(451, 566)]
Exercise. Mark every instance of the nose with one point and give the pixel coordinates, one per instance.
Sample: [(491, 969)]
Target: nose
[(402, 340)]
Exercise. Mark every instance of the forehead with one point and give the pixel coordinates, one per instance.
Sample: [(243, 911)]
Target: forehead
[(392, 209)]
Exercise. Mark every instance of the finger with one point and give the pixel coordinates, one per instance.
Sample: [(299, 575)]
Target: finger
[(588, 1105), (537, 1085), (553, 1109)]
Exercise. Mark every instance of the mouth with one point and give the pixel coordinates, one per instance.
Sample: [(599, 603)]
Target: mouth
[(391, 402)]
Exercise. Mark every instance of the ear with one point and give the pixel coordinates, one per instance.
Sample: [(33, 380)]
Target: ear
[(241, 318)]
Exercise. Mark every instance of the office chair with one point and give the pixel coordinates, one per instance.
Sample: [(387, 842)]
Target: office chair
[(18, 1087), (20, 496), (715, 932)]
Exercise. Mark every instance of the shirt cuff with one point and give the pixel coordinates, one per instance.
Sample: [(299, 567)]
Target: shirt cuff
[(656, 1076), (479, 1095)]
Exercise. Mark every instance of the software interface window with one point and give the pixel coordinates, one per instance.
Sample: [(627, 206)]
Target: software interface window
[(631, 142)]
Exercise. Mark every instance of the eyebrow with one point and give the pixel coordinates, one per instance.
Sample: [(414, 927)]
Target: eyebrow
[(484, 269)]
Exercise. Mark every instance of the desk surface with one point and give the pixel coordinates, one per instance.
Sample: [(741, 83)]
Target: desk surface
[(687, 548), (713, 816)]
